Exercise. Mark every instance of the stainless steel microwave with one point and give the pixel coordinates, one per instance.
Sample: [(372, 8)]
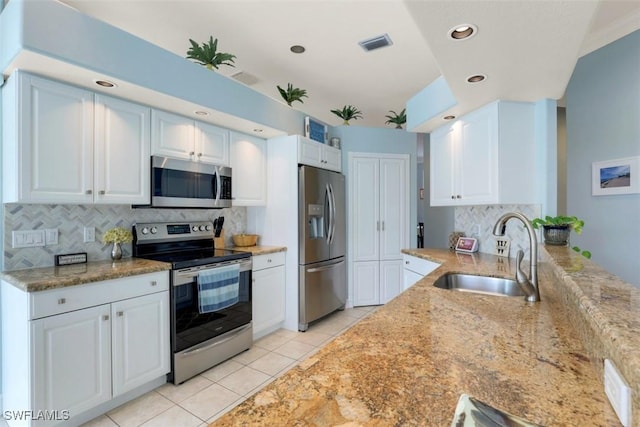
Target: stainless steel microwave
[(179, 183)]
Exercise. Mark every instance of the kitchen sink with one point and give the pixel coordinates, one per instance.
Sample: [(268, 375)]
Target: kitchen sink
[(479, 284)]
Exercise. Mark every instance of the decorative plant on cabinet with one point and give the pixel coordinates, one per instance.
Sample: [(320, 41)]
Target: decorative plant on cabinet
[(348, 112), (397, 119), (292, 94), (208, 56)]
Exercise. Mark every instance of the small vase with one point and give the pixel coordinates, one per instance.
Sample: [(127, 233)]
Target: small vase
[(556, 235), (116, 251), (345, 123)]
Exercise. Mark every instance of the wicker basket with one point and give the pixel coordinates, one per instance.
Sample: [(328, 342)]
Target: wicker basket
[(245, 239)]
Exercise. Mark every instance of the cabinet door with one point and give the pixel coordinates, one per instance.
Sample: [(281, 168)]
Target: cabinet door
[(365, 201), (442, 155), (391, 280), (477, 165), (332, 158), (394, 199), (55, 142), (249, 168), (72, 360), (310, 153), (122, 146), (212, 144), (410, 278), (268, 300), (172, 135), (366, 283), (140, 340)]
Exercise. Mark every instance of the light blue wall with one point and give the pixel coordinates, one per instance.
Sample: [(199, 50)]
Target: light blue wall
[(546, 138), (603, 123), (390, 141)]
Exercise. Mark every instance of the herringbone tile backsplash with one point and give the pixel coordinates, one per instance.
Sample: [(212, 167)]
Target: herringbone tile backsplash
[(70, 221), (467, 217)]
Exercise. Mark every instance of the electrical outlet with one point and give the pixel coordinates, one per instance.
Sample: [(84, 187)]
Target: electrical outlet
[(618, 392), (89, 234), (502, 246), (51, 236)]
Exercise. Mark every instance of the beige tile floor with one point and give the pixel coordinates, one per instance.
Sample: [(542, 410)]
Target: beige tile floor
[(206, 397)]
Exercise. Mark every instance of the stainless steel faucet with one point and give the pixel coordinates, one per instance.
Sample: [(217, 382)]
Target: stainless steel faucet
[(529, 284)]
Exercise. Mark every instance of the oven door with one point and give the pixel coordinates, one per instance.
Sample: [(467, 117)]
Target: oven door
[(189, 327), (183, 183)]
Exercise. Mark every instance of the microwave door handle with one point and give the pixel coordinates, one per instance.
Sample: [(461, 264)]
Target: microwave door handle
[(218, 185)]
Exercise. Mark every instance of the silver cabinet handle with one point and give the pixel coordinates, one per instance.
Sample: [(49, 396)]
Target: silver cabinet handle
[(62, 300), (119, 313), (269, 260), (102, 192), (199, 154), (105, 317), (154, 283), (458, 197), (406, 262), (89, 191), (191, 153)]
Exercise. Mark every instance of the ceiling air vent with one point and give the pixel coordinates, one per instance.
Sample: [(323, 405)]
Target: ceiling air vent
[(244, 77), (376, 42)]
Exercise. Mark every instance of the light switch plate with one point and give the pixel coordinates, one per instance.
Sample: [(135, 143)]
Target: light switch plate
[(89, 234), (618, 392), (27, 238), (51, 236)]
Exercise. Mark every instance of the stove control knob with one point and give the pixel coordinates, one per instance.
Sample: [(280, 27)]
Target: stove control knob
[(209, 228), (194, 228), (154, 230), (202, 228), (145, 230)]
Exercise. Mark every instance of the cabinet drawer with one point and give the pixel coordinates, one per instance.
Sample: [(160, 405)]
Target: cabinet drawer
[(56, 301), (419, 265), (267, 261)]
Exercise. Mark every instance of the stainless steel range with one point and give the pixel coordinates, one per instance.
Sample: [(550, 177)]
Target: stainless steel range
[(210, 294)]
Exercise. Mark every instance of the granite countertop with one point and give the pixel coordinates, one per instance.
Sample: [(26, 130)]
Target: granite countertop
[(259, 250), (409, 361), (45, 278)]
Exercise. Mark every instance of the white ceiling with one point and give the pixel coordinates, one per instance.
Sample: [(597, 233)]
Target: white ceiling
[(526, 48)]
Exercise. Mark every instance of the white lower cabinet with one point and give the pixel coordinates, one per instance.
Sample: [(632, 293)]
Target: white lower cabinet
[(376, 282), (415, 269), (268, 291), (93, 343)]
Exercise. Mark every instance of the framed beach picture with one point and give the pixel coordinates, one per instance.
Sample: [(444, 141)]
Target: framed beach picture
[(315, 130), (619, 176)]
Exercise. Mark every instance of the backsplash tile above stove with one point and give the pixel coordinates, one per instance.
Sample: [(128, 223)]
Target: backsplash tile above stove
[(70, 221)]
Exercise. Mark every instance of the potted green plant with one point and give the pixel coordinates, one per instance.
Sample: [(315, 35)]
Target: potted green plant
[(397, 119), (348, 112), (292, 94), (208, 55), (556, 230)]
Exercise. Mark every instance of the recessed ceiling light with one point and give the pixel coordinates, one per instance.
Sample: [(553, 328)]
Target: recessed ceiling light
[(296, 48), (476, 78), (105, 83), (462, 32), (449, 117), (201, 113)]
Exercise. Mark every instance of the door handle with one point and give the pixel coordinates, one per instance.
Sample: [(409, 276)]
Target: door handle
[(324, 267)]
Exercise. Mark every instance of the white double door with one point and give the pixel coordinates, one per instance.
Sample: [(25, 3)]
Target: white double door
[(379, 225)]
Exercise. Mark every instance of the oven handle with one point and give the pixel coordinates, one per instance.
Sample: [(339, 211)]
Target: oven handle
[(187, 275), (206, 346)]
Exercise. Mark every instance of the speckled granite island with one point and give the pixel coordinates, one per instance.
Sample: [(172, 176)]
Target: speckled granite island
[(409, 361)]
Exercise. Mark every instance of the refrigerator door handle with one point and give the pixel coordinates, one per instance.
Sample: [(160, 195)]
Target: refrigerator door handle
[(331, 209), (324, 267), (333, 213)]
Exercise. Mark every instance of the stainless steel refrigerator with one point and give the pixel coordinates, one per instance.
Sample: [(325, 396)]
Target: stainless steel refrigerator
[(322, 246)]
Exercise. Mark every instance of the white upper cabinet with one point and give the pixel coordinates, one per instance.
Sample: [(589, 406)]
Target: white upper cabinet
[(249, 169), (486, 157), (122, 141), (184, 138), (320, 155), (62, 144)]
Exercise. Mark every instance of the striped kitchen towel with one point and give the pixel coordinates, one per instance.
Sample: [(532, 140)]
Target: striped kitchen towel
[(218, 288)]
